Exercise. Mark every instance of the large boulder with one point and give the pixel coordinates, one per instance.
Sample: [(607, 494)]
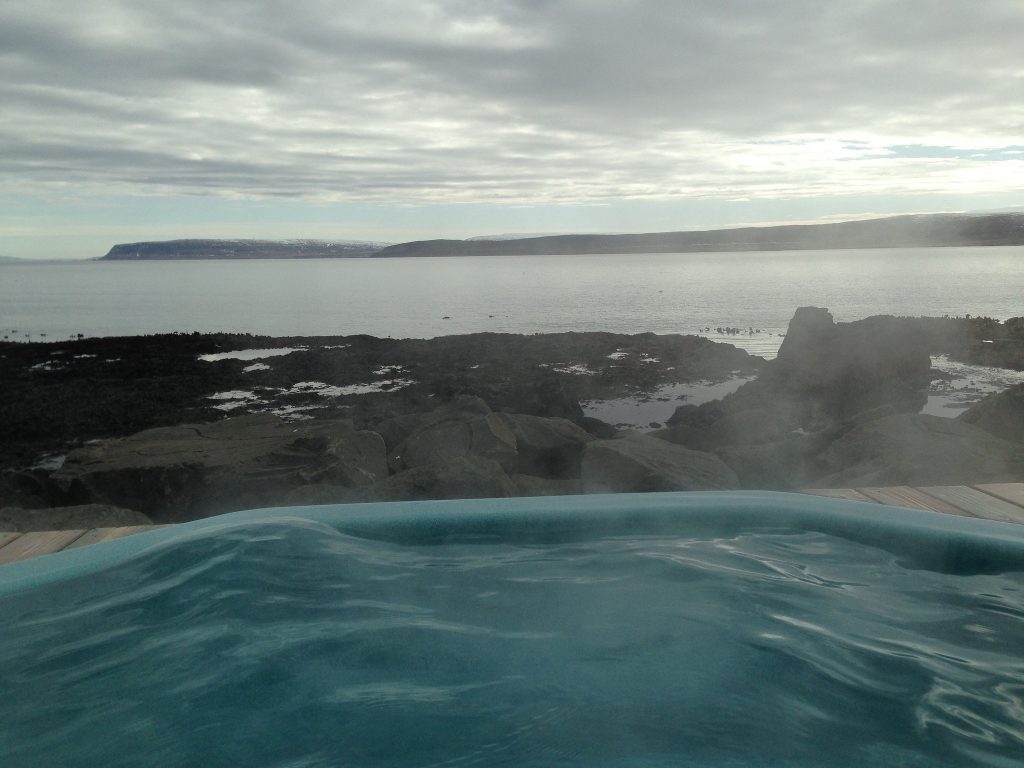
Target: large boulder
[(638, 462), (467, 427), (190, 471), (462, 436), (709, 429), (1001, 414), (546, 447), (840, 370), (531, 485), (461, 477), (826, 374), (24, 489), (464, 477), (69, 518), (918, 449), (783, 464), (397, 429)]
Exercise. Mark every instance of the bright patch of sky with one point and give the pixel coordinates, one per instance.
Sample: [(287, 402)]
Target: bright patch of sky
[(394, 120)]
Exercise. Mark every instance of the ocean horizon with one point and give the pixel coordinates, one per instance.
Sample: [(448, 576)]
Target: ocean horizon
[(752, 293)]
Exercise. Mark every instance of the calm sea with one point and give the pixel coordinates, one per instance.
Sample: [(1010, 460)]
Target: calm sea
[(424, 297)]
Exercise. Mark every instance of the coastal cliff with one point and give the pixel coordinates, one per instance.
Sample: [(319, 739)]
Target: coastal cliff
[(242, 249), (936, 230)]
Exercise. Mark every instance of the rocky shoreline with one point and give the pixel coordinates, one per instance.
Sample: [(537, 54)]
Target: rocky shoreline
[(181, 426)]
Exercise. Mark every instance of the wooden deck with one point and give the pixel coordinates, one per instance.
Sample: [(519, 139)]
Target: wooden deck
[(996, 501)]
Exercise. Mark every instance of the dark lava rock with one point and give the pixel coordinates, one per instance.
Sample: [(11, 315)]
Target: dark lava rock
[(829, 372), (185, 472), (828, 379), (312, 495), (545, 447), (917, 449), (1001, 414), (719, 428), (529, 485), (58, 395), (599, 429), (82, 516), (464, 477), (637, 462), (26, 489), (784, 464), (466, 426), (826, 373), (455, 435)]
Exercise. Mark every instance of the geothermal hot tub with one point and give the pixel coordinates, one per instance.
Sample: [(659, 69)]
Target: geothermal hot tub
[(702, 629)]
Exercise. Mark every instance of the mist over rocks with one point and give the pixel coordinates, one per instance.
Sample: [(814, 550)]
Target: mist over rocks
[(840, 406), (918, 449), (1001, 414), (369, 419)]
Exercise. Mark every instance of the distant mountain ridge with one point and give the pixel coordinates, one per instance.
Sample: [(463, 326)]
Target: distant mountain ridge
[(243, 249), (926, 230)]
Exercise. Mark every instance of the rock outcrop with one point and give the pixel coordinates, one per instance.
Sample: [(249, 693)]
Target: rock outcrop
[(827, 379), (177, 473), (917, 449), (635, 462), (545, 447), (1001, 414), (466, 426), (455, 435)]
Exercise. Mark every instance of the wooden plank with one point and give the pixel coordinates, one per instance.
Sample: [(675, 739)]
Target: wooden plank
[(96, 535), (6, 537), (1011, 492), (35, 543), (905, 496), (976, 502), (838, 493)]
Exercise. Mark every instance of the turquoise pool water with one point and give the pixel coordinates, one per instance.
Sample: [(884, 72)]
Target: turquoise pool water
[(657, 630)]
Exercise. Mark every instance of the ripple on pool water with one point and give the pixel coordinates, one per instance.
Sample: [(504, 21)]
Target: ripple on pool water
[(293, 644)]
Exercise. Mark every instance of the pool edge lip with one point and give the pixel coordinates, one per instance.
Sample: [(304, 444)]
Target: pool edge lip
[(901, 530)]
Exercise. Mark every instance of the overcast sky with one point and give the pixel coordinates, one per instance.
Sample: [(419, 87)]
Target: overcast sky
[(125, 120)]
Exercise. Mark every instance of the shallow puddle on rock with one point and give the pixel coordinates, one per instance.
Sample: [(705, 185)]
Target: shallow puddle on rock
[(967, 385), (650, 411)]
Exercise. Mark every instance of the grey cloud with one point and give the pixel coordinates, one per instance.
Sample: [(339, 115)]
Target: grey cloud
[(516, 98)]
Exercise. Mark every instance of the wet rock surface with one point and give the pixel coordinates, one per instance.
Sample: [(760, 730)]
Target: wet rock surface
[(149, 427), (60, 395)]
